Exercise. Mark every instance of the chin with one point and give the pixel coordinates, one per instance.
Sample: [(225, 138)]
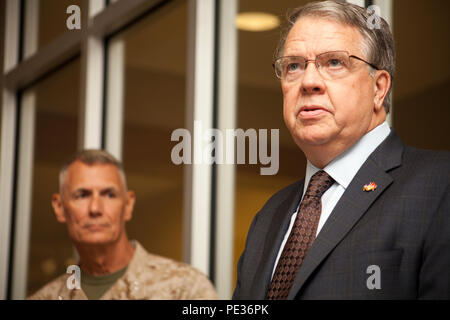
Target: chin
[(313, 132), (311, 137), (97, 240)]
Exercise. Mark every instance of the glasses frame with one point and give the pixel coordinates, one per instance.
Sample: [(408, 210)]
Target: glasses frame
[(315, 61)]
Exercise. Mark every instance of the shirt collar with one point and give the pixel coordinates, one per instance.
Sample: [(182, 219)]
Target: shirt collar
[(344, 167)]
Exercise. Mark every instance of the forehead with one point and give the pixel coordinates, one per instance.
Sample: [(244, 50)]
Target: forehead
[(80, 175), (313, 35)]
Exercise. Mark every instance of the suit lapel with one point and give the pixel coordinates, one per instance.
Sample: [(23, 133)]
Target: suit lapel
[(272, 242), (352, 206)]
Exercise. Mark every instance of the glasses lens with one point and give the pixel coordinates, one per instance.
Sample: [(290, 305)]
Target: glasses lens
[(331, 65), (334, 65), (289, 67)]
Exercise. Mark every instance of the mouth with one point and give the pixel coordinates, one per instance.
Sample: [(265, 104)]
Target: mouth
[(307, 112), (95, 226)]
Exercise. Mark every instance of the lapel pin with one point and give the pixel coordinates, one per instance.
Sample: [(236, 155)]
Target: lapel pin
[(370, 187)]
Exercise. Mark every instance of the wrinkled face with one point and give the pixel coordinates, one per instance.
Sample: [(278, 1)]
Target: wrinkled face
[(94, 203), (321, 112)]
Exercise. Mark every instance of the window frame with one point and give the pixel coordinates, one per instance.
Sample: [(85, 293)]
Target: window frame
[(99, 21)]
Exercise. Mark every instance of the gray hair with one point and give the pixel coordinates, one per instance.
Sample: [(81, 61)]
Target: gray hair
[(91, 157), (378, 44)]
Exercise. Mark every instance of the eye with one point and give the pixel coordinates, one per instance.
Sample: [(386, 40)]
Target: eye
[(335, 63), (81, 195), (111, 195), (292, 67)]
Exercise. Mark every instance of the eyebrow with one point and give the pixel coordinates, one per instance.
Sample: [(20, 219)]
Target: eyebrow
[(109, 189), (81, 190), (89, 190)]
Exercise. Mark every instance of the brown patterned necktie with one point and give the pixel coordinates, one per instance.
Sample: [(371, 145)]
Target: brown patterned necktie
[(301, 237)]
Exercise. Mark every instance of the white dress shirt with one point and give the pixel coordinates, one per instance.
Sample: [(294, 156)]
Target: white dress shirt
[(342, 169)]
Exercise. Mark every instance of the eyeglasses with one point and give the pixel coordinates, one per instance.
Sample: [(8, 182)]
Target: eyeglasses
[(331, 65)]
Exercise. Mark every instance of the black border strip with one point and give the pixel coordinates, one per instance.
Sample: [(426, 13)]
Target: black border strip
[(213, 215), (106, 42)]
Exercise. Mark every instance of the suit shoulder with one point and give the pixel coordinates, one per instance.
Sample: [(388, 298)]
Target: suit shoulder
[(284, 193), (437, 157), (430, 162), (424, 174), (288, 193)]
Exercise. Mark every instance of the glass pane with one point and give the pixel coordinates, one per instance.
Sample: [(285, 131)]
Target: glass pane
[(53, 17), (55, 140), (2, 39), (260, 106), (421, 99), (154, 102)]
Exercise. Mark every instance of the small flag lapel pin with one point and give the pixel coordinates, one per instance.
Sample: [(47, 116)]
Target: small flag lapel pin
[(370, 187)]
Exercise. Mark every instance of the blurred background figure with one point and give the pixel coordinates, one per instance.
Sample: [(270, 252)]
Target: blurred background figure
[(95, 204)]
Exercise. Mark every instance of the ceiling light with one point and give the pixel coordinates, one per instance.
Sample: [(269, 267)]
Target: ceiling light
[(256, 21)]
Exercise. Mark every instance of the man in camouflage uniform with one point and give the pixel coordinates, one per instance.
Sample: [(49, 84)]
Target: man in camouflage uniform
[(95, 205)]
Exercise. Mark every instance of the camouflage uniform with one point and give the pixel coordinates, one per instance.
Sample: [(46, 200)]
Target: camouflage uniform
[(148, 276)]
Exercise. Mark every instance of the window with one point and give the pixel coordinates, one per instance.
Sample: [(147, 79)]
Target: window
[(260, 106), (55, 102), (2, 31), (154, 79), (52, 18), (421, 101)]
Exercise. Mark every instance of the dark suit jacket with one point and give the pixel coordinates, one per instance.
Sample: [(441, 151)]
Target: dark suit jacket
[(403, 227)]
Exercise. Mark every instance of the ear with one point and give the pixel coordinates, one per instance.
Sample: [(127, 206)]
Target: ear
[(131, 200), (58, 208), (382, 85)]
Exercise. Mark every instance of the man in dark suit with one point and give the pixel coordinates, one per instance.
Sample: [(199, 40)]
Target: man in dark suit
[(371, 219)]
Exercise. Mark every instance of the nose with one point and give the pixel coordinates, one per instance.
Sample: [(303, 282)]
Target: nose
[(95, 206), (312, 82)]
